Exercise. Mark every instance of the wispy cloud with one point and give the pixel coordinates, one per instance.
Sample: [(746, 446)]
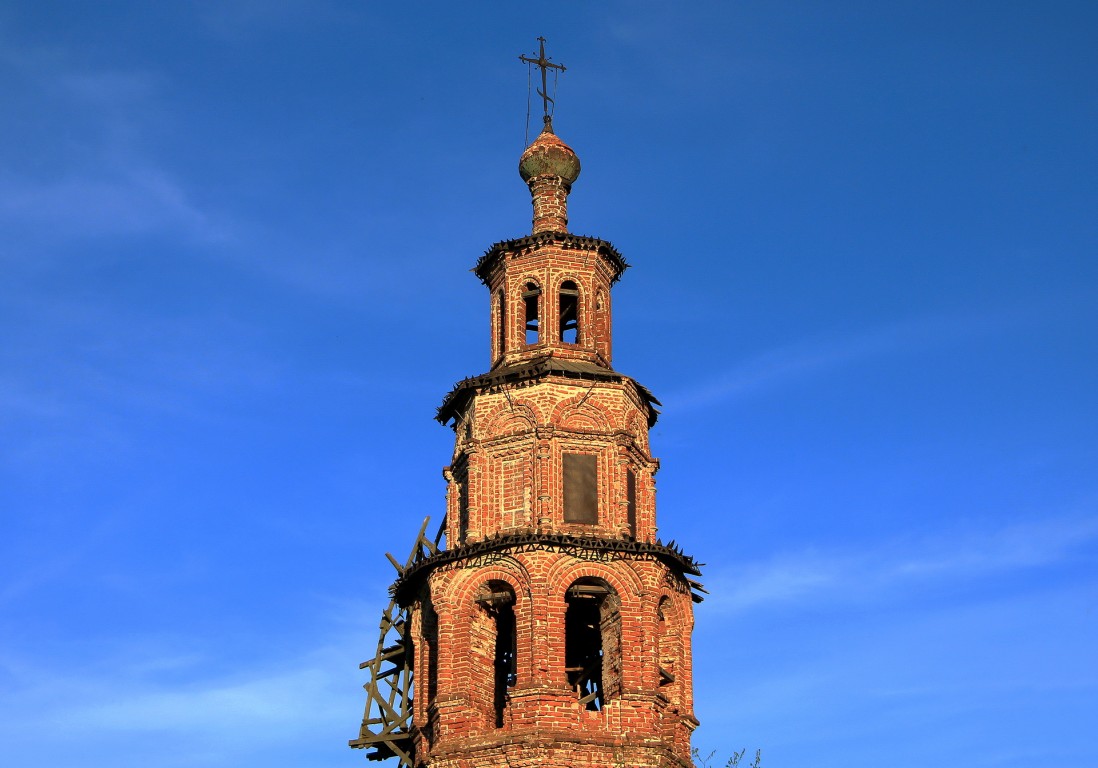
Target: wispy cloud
[(86, 379), (97, 177), (243, 19), (103, 173), (130, 200), (286, 701), (792, 578), (818, 356), (136, 696), (106, 87)]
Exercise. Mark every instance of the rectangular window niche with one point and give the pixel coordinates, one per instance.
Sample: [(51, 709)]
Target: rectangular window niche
[(581, 488)]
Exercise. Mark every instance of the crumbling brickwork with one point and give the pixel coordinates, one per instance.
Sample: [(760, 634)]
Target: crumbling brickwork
[(554, 629), (642, 717), (595, 667)]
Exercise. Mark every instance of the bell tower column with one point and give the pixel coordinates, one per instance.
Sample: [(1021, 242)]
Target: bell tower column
[(549, 167), (553, 629)]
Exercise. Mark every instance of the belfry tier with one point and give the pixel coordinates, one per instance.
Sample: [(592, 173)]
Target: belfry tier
[(550, 290), (569, 455), (554, 628)]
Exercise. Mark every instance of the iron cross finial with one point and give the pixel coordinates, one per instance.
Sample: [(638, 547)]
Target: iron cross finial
[(545, 65)]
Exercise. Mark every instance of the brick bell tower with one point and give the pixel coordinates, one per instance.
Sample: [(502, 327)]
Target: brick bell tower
[(553, 627)]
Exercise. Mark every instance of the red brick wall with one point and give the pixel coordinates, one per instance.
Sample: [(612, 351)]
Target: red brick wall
[(506, 478), (642, 723), (548, 266), (510, 446)]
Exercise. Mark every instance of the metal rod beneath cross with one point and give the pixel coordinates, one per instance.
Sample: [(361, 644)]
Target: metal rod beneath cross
[(544, 64)]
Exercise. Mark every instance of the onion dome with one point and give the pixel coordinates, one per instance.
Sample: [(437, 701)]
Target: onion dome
[(549, 156)]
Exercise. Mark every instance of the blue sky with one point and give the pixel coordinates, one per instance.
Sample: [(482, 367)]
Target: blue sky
[(234, 240)]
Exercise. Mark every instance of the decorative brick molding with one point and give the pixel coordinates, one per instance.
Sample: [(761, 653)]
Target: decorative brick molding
[(553, 629)]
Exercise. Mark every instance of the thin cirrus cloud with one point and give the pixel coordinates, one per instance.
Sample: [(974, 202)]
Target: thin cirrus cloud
[(136, 201), (785, 364), (109, 88), (99, 181), (126, 694), (793, 578), (281, 700), (209, 720)]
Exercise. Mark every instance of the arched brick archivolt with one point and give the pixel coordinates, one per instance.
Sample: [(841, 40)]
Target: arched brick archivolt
[(457, 603), (461, 592), (583, 281), (628, 590), (487, 629), (507, 418), (584, 418), (583, 407), (620, 574), (520, 280)]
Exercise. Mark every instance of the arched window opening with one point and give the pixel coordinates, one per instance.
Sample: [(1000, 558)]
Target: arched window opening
[(601, 330), (498, 600), (569, 313), (463, 508), (631, 501), (429, 632), (592, 642), (668, 651), (533, 325), (501, 323)]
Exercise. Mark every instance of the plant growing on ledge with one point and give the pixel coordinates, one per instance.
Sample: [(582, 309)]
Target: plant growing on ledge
[(732, 762)]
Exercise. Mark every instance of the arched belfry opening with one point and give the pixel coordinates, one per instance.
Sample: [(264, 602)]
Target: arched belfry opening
[(531, 300), (501, 322), (569, 312), (600, 326), (527, 632), (668, 645), (592, 639), (497, 600)]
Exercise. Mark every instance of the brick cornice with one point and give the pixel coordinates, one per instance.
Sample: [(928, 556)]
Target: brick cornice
[(583, 547), (486, 263), (530, 371)]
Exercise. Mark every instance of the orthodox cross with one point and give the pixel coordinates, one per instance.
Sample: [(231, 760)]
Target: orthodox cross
[(544, 64)]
